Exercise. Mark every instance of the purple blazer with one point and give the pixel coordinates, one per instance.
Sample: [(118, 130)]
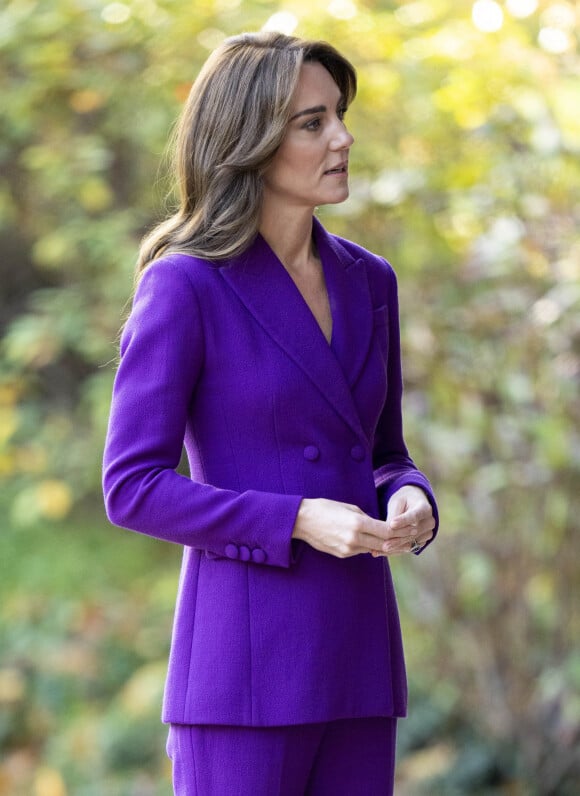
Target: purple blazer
[(230, 361)]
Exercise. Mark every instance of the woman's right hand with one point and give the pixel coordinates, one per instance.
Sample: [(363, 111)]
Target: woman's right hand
[(340, 529)]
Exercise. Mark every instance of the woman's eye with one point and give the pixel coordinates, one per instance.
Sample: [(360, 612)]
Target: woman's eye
[(341, 113), (313, 124)]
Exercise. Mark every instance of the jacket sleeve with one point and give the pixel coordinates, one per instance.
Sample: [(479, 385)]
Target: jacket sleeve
[(161, 358), (393, 467)]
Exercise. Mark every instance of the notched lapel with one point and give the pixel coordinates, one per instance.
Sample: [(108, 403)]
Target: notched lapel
[(267, 290), (350, 303)]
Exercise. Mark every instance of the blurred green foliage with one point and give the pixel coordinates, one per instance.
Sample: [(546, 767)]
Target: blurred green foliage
[(466, 176)]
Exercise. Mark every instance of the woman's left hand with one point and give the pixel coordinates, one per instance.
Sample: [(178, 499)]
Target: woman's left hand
[(410, 522)]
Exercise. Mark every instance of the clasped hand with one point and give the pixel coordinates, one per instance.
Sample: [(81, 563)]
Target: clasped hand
[(343, 530)]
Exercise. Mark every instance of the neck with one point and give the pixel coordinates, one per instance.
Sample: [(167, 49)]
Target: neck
[(289, 235)]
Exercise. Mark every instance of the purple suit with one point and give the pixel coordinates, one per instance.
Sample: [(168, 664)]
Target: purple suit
[(230, 359)]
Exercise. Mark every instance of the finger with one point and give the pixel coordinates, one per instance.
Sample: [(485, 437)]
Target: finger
[(396, 508), (377, 529), (410, 543), (405, 546), (374, 534), (377, 537), (413, 515), (415, 522), (361, 535), (370, 543), (398, 536), (391, 551)]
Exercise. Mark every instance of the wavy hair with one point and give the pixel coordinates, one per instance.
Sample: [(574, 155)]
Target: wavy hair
[(230, 129)]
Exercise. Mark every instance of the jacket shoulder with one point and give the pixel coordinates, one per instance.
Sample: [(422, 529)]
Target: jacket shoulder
[(380, 272), (194, 269), (359, 252)]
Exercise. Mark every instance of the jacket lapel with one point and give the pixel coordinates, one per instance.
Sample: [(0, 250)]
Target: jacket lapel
[(350, 303), (267, 290)]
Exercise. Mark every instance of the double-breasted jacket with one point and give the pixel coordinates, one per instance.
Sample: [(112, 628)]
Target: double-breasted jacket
[(229, 361)]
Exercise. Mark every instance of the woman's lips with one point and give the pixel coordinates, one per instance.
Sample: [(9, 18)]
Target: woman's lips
[(342, 168)]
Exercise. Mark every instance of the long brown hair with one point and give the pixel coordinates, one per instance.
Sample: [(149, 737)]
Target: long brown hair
[(231, 126)]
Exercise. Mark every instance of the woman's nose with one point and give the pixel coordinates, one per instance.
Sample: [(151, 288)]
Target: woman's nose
[(342, 139)]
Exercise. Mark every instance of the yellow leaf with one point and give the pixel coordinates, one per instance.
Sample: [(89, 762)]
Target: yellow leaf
[(142, 693), (12, 685), (86, 100), (95, 195), (49, 782), (8, 422), (54, 499)]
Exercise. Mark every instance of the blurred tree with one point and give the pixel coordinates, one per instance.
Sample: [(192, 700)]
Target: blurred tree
[(466, 175)]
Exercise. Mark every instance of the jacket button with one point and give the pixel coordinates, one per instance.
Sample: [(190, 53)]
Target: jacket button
[(311, 453), (258, 556), (357, 452), (245, 554), (232, 551)]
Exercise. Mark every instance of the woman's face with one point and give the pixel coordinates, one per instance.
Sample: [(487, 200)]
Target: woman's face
[(311, 166)]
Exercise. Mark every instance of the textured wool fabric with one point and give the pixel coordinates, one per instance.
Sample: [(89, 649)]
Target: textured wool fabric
[(268, 631), (353, 757)]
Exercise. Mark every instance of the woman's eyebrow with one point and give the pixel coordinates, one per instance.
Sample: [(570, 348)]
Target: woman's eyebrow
[(307, 111)]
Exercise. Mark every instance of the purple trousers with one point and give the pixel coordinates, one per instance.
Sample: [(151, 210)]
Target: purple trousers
[(351, 757)]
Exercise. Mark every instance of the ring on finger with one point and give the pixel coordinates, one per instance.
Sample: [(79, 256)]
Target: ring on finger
[(415, 546)]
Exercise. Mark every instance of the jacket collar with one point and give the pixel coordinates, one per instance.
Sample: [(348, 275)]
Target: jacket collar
[(267, 290)]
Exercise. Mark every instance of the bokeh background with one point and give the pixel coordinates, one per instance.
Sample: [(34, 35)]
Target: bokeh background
[(466, 176)]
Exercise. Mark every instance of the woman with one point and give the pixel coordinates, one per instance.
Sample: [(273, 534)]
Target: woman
[(270, 348)]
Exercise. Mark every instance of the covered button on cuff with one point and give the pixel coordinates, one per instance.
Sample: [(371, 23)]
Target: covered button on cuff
[(232, 551), (258, 556), (244, 553)]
